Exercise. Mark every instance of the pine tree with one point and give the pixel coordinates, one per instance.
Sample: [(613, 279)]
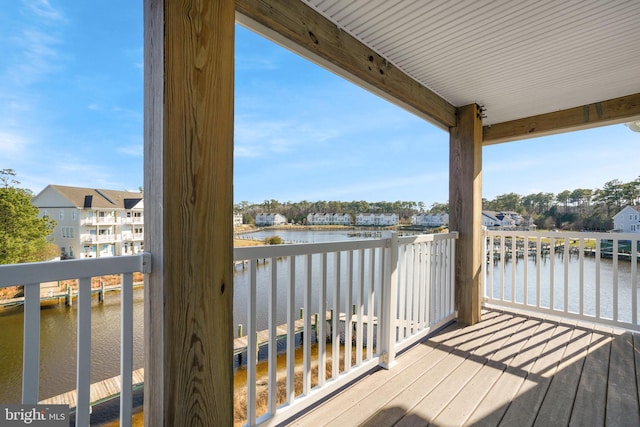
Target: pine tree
[(23, 235)]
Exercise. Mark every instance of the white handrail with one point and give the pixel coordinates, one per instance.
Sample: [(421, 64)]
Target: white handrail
[(375, 296), (382, 295), (599, 285), (30, 276)]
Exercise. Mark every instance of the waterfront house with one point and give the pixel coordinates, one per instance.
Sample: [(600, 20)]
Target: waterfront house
[(627, 220), (490, 220), (430, 220), (484, 75), (376, 220), (328, 219), (267, 219), (502, 219), (510, 218), (93, 222)]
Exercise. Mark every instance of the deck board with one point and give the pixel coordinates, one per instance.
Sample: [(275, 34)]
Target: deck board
[(558, 401), (509, 369), (622, 394), (591, 397), (467, 400)]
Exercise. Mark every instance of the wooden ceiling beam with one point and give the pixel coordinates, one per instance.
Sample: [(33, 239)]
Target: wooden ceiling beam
[(301, 29), (618, 110)]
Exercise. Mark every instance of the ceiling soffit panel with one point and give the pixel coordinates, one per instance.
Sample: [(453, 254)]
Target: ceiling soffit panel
[(517, 58)]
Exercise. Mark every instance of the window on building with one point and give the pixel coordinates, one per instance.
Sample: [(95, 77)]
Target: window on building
[(74, 214), (61, 214)]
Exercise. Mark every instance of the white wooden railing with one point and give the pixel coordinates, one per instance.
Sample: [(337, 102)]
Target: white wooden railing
[(30, 276), (385, 293), (382, 295), (586, 276)]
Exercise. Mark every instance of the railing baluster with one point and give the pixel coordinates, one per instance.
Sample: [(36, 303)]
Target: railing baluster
[(440, 279), (415, 279), (370, 310), (428, 285), (335, 319), (514, 258), (566, 274), (126, 349), (598, 249), (552, 259), (491, 261), (502, 248), (83, 377), (422, 310), (434, 283), (273, 339), (31, 344), (634, 282), (539, 272), (252, 344), (348, 314), (525, 263), (581, 273), (291, 335), (379, 292), (452, 274), (614, 253), (306, 344), (360, 308), (322, 320), (402, 287)]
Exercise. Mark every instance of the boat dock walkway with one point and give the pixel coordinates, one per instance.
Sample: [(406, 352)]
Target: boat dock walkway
[(50, 296), (110, 388), (100, 391)]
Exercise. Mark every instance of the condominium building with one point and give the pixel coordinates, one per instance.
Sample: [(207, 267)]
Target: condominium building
[(93, 222), (266, 219), (328, 219), (377, 219), (430, 220)]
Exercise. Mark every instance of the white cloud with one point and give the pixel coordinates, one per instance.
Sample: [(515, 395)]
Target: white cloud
[(135, 150), (43, 10), (12, 143)]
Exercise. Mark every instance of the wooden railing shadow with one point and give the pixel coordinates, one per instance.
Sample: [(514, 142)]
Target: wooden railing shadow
[(552, 373)]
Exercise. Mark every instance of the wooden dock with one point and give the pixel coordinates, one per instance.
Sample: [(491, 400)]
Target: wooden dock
[(52, 297), (240, 344), (100, 391)]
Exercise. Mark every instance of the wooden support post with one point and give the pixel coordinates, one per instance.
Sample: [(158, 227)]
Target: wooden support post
[(188, 182), (465, 210), (69, 299)]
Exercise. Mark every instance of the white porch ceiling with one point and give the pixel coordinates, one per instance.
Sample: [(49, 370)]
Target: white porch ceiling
[(518, 58)]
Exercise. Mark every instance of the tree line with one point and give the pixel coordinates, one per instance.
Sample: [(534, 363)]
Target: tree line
[(578, 209), (297, 212)]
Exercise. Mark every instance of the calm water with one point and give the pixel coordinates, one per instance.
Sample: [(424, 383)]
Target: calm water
[(58, 328), (59, 324)]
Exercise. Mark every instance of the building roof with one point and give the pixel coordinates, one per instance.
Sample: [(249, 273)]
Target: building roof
[(576, 61), (94, 198)]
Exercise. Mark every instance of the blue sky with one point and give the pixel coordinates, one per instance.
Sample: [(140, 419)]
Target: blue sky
[(71, 114)]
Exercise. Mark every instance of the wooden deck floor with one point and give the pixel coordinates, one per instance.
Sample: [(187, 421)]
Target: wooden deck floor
[(508, 370)]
